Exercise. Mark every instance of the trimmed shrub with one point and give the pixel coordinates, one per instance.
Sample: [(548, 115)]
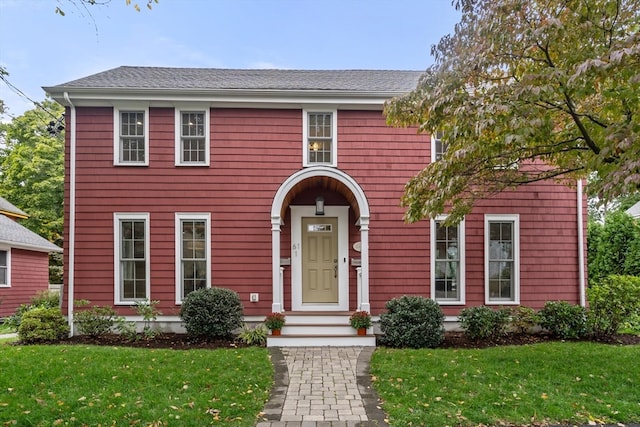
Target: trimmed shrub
[(45, 299), (482, 322), (42, 325), (211, 313), (612, 302), (95, 321), (412, 321), (564, 320), (523, 319)]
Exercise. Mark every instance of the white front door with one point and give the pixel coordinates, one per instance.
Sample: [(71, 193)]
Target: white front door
[(319, 259)]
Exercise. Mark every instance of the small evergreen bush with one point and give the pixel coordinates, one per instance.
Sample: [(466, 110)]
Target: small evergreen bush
[(612, 302), (41, 325), (254, 335), (523, 319), (45, 299), (482, 322), (563, 320), (412, 321), (95, 321), (211, 313)]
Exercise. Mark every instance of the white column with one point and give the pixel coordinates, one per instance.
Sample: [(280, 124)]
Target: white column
[(364, 260), (276, 286)]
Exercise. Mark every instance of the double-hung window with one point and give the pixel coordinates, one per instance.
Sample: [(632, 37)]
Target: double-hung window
[(447, 262), (131, 137), (5, 264), (131, 255), (319, 138), (192, 137), (502, 263), (193, 254), (438, 146)]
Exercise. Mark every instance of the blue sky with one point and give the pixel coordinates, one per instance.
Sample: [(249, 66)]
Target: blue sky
[(40, 48)]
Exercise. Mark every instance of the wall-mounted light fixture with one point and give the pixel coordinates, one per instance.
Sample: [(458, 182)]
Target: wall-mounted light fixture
[(319, 205)]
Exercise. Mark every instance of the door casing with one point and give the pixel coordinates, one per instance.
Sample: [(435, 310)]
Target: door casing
[(342, 213)]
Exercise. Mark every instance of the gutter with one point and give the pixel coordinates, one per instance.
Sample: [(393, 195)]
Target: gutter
[(581, 265), (72, 212)]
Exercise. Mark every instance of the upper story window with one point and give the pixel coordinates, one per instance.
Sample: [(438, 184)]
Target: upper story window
[(193, 254), (438, 146), (447, 262), (131, 137), (320, 144), (192, 137), (4, 268), (502, 263), (131, 247)]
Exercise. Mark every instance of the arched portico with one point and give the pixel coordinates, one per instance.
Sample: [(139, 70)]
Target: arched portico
[(281, 202)]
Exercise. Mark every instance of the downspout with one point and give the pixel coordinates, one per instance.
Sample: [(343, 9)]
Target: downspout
[(72, 212), (581, 266)]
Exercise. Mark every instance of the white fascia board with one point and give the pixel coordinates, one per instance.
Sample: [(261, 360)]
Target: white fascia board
[(236, 98)]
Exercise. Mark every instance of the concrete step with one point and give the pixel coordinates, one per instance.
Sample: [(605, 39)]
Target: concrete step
[(321, 341)]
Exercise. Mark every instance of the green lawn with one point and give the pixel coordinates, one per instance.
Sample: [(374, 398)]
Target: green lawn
[(558, 382), (44, 385)]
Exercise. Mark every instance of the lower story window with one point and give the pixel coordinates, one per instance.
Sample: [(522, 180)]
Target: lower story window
[(502, 268), (4, 268), (447, 262), (193, 253), (131, 257)]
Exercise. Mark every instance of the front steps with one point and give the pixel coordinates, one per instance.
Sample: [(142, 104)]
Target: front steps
[(320, 329)]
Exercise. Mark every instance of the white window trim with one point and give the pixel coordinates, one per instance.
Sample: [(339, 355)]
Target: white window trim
[(116, 134), (117, 217), (434, 154), (305, 135), (515, 219), (462, 255), (178, 247), (178, 134), (8, 250)]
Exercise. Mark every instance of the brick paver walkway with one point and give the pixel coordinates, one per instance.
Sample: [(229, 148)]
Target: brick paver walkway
[(322, 387)]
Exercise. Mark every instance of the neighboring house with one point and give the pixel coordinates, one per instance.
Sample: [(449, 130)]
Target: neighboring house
[(24, 260), (634, 210), (285, 186)]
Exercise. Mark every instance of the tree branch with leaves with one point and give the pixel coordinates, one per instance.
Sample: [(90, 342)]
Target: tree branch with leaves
[(523, 91)]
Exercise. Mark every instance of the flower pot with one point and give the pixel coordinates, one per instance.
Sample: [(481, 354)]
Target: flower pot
[(362, 331), (275, 332)]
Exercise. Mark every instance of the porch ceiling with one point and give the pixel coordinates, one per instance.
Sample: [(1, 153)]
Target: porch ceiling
[(321, 183)]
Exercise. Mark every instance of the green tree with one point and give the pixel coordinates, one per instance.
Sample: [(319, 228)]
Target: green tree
[(32, 173), (613, 247), (528, 90)]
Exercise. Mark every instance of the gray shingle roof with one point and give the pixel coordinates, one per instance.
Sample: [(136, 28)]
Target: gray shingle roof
[(8, 207), (127, 77), (16, 235)]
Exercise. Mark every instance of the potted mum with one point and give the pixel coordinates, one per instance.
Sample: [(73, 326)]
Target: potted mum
[(275, 322), (360, 320)]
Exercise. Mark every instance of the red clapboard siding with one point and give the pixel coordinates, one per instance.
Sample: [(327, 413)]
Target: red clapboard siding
[(29, 276), (252, 152)]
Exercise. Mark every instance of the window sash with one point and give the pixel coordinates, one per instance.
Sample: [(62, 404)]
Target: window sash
[(192, 254), (192, 137), (447, 262), (4, 268), (501, 249), (439, 147), (320, 138), (132, 138), (131, 257)]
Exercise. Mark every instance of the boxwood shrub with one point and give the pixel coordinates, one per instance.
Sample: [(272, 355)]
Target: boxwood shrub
[(563, 320), (41, 325), (412, 321), (212, 313), (482, 322)]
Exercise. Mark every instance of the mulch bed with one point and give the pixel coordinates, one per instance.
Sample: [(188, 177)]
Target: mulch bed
[(185, 342)]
